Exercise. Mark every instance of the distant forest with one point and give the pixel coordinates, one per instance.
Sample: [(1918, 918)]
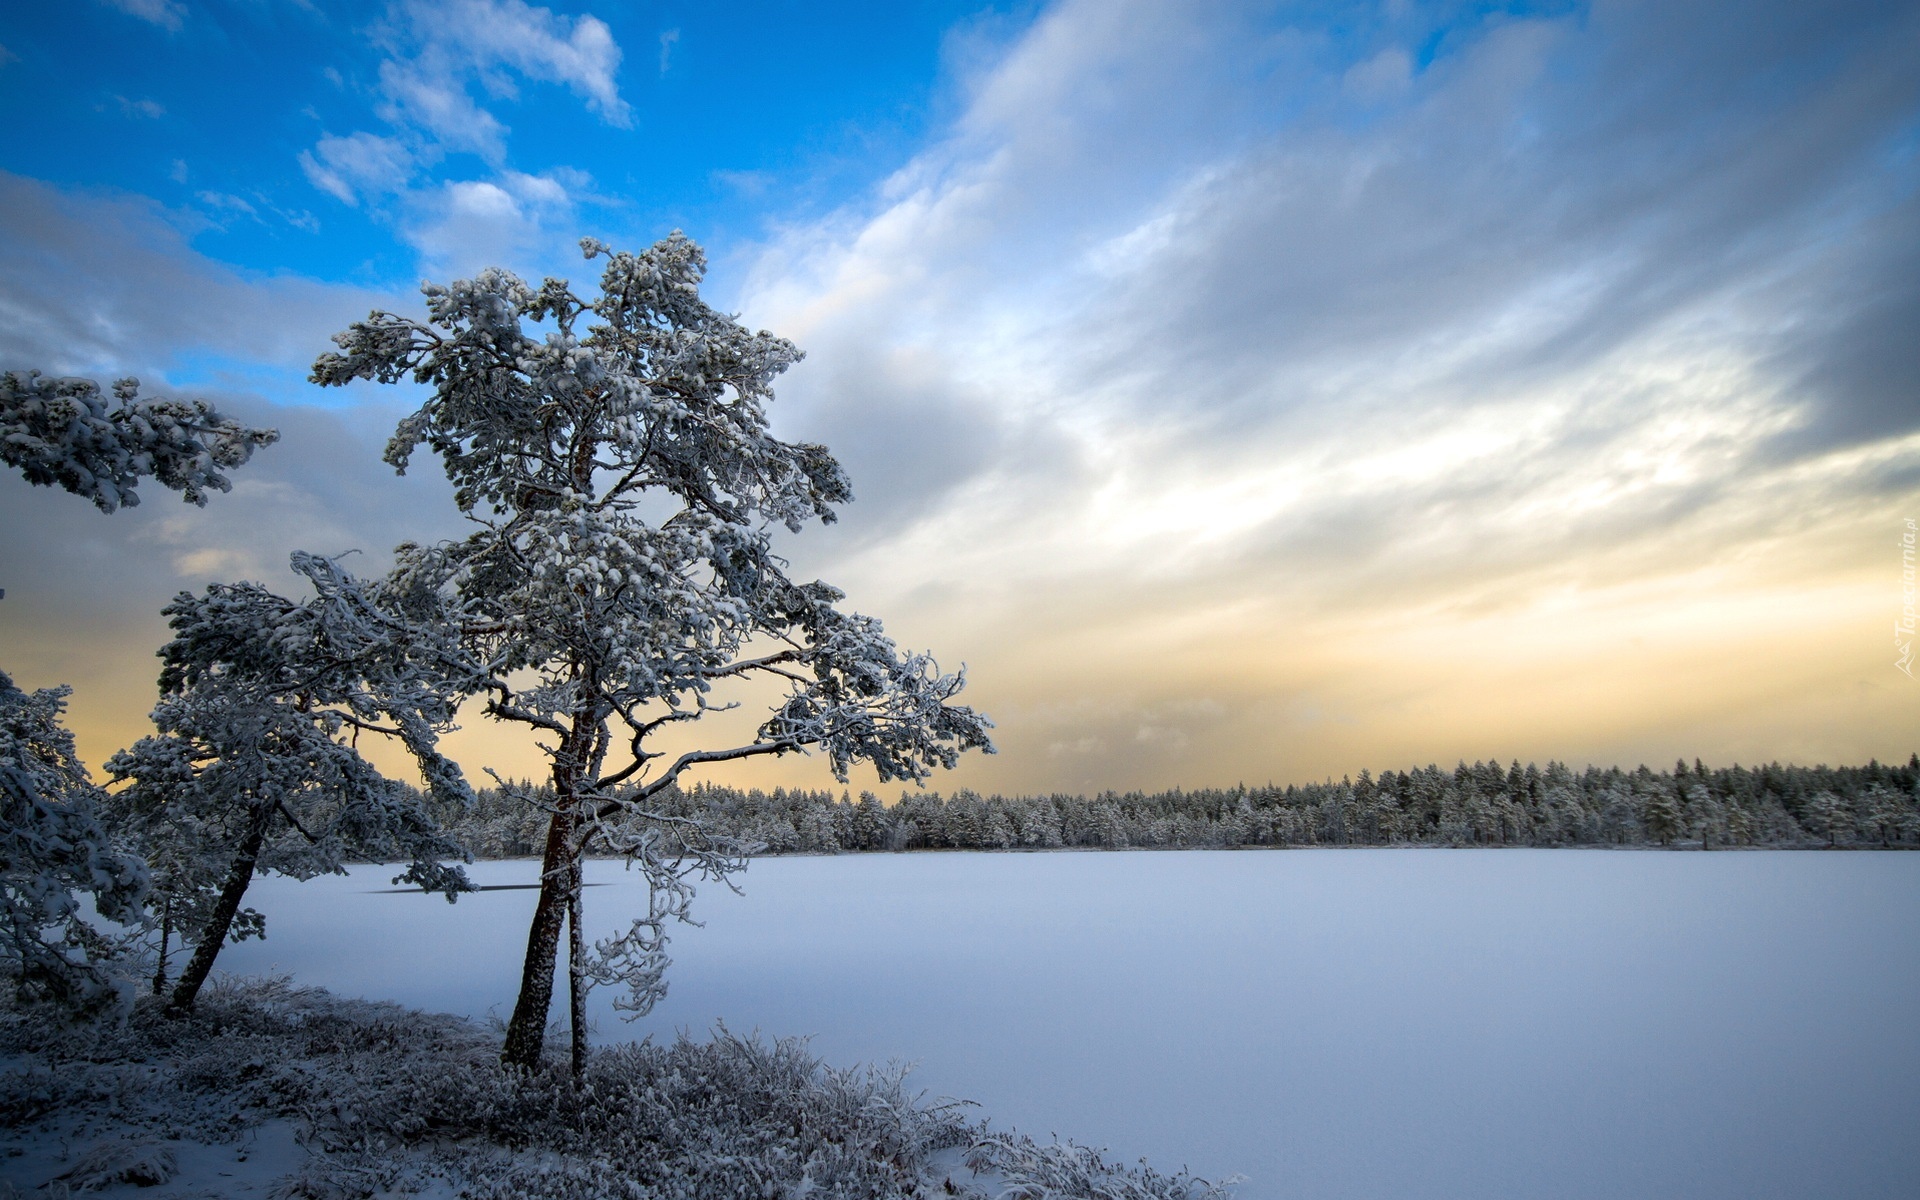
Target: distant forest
[(1480, 805)]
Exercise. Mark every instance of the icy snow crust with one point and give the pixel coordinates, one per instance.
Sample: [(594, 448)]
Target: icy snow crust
[(278, 1091), (1329, 1023)]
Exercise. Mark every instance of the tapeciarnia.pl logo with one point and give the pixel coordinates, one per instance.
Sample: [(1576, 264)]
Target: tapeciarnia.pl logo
[(1904, 627)]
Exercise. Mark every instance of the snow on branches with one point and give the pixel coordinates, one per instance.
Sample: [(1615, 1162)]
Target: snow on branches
[(59, 431), (615, 456), (256, 766), (52, 846), (52, 851)]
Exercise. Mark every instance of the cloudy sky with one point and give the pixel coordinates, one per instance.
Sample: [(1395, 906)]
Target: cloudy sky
[(1243, 391)]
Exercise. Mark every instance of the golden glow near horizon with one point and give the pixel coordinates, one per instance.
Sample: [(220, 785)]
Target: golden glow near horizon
[(1417, 424)]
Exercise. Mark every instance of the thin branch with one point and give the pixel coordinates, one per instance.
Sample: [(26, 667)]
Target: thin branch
[(295, 821), (767, 662), (513, 712), (692, 757)]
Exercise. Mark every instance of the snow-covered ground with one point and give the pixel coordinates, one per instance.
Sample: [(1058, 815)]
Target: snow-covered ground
[(1408, 1023)]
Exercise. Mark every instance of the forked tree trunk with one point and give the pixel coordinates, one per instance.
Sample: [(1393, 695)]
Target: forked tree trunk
[(527, 1031), (239, 875)]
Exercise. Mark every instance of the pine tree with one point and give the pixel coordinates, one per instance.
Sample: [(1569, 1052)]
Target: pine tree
[(60, 432), (1660, 814), (616, 464), (255, 765), (1829, 815)]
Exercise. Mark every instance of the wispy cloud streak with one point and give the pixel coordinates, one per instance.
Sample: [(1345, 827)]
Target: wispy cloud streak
[(1219, 386)]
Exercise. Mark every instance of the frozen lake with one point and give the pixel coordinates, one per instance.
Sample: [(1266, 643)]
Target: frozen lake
[(1328, 1023)]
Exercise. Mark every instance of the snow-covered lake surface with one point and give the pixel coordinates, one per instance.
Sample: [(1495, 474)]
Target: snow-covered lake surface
[(1327, 1023)]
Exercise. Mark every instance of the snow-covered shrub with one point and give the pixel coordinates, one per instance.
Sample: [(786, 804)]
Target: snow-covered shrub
[(140, 1161)]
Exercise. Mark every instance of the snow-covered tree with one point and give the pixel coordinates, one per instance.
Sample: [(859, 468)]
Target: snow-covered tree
[(61, 431), (255, 766), (1705, 816), (53, 851), (1660, 813), (1828, 815), (1887, 813), (614, 456)]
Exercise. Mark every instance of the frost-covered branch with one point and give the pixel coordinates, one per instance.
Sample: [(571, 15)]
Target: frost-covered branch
[(61, 432)]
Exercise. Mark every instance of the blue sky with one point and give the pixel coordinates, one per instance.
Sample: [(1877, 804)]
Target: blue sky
[(1244, 390), (718, 118)]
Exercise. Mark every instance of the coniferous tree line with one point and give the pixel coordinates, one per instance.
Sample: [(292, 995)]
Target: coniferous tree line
[(1483, 804)]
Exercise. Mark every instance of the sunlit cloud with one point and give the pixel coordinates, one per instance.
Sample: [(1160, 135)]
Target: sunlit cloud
[(1471, 348)]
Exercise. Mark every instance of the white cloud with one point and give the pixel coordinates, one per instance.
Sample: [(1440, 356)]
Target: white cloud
[(227, 202), (141, 108), (511, 220), (1385, 75), (168, 14), (363, 163), (578, 52), (422, 94), (446, 62), (440, 51)]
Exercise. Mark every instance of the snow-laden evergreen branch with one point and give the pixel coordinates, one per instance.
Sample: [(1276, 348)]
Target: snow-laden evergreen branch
[(61, 432)]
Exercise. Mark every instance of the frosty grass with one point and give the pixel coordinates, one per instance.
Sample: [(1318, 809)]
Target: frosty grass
[(315, 1096)]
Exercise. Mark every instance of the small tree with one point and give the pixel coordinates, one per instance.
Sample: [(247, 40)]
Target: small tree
[(256, 766), (1888, 813), (616, 462), (1740, 822), (53, 849), (1705, 816)]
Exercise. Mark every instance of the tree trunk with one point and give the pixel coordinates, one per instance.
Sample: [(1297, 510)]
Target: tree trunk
[(239, 875), (166, 934), (527, 1031), (577, 969)]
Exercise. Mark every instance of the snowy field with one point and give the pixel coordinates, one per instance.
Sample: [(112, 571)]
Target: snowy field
[(1327, 1023)]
